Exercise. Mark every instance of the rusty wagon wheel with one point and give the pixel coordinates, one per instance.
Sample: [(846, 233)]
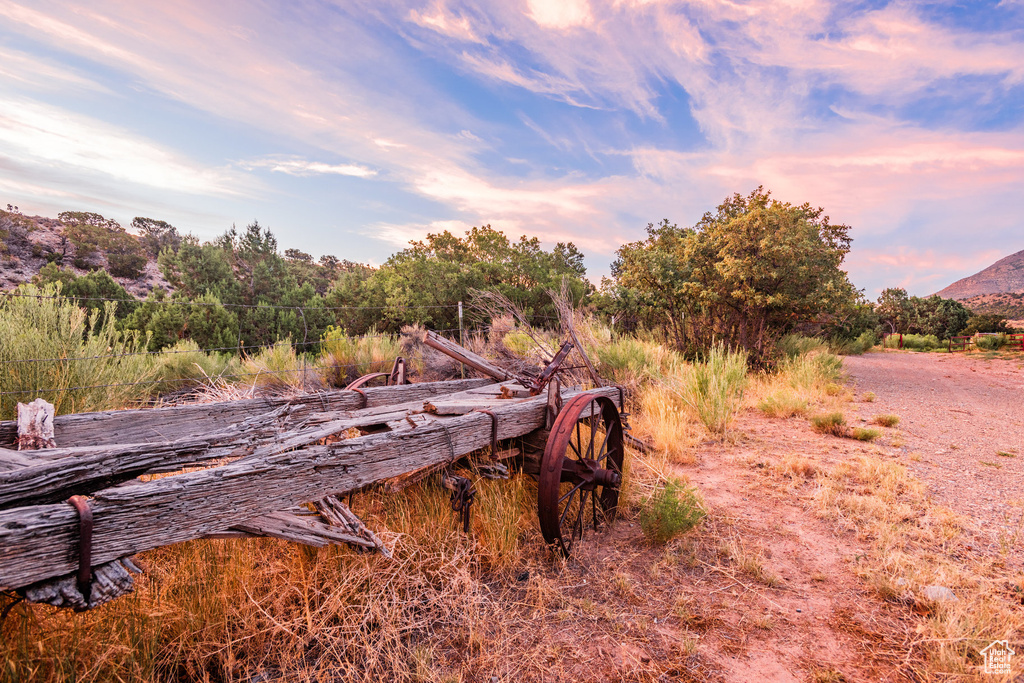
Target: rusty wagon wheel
[(581, 471)]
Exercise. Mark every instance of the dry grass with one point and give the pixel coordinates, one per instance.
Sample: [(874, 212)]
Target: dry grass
[(664, 420), (911, 544), (887, 420), (829, 423)]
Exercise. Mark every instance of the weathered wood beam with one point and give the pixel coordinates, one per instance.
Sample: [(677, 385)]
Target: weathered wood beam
[(39, 542), (62, 472), (180, 422), (465, 356)]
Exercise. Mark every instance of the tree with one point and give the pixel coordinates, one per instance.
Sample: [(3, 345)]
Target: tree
[(484, 259), (90, 291), (97, 239), (155, 236), (747, 273)]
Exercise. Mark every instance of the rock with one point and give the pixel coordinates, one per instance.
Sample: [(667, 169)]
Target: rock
[(938, 594)]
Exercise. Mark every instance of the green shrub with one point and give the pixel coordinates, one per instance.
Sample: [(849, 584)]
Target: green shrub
[(628, 359), (990, 342), (793, 345), (830, 423), (915, 342), (812, 370), (83, 362), (277, 367), (886, 420), (344, 358), (185, 364), (674, 509), (864, 433), (865, 342), (519, 343), (714, 387)]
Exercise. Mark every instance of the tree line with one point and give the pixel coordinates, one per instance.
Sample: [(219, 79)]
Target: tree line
[(744, 275)]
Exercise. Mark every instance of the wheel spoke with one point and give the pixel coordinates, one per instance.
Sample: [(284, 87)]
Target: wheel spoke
[(565, 510), (593, 507), (579, 515), (603, 453), (593, 431), (572, 491)]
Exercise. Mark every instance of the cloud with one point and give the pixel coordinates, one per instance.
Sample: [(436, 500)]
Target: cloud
[(806, 98), (560, 14), (44, 134), (452, 25), (399, 235), (297, 166)]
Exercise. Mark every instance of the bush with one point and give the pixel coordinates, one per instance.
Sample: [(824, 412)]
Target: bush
[(344, 358), (830, 423), (783, 404), (914, 342), (865, 342), (185, 364), (277, 367), (794, 345), (84, 363), (812, 371), (864, 433), (714, 387), (886, 420), (990, 342), (674, 509), (627, 359)]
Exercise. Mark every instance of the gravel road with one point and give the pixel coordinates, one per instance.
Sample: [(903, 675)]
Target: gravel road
[(962, 420)]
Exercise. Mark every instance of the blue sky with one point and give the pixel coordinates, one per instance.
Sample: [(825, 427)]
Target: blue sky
[(352, 127)]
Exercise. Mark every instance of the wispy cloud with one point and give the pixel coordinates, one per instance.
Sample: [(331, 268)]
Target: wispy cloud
[(809, 98), (50, 135), (297, 166)]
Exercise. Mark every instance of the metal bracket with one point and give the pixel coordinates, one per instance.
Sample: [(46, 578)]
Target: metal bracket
[(84, 578), (462, 497), (494, 432), (537, 385)]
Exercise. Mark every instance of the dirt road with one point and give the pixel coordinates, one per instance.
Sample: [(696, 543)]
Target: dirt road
[(963, 421)]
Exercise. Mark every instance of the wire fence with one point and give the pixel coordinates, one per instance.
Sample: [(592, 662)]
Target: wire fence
[(321, 368)]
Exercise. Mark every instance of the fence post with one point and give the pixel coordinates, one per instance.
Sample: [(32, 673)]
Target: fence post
[(462, 340)]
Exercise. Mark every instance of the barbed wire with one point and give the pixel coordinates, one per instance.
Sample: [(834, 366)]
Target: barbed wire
[(310, 369), (172, 302), (240, 347)]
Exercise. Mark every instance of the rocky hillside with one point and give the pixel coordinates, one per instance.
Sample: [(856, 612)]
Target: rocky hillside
[(1005, 276), (27, 243)]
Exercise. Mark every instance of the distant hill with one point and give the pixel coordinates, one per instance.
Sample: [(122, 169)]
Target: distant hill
[(1005, 276), (27, 243)]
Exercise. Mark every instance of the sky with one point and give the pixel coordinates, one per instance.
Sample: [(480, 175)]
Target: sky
[(353, 127)]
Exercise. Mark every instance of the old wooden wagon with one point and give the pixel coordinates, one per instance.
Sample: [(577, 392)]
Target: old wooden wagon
[(72, 515)]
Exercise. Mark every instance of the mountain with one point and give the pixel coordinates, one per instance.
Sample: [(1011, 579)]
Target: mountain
[(1002, 277)]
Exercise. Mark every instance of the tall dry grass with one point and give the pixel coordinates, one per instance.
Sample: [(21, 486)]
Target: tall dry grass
[(714, 386), (259, 609)]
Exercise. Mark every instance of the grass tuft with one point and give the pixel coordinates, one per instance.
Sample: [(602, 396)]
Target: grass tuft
[(864, 433), (714, 387), (887, 420), (673, 509), (829, 423)]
